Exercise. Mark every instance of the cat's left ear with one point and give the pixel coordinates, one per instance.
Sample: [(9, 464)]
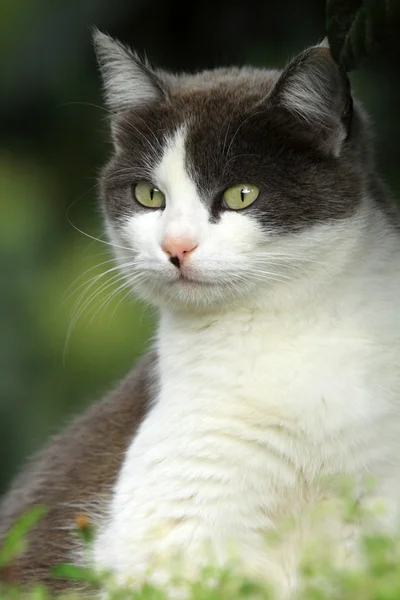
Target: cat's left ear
[(313, 96), (128, 81)]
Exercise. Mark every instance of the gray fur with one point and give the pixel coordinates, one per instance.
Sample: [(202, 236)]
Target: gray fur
[(312, 164), (308, 171), (74, 474)]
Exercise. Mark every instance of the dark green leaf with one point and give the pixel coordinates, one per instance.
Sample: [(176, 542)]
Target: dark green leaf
[(355, 27), (15, 542), (75, 573)]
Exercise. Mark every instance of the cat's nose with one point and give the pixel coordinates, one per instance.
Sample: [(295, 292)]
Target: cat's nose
[(178, 248)]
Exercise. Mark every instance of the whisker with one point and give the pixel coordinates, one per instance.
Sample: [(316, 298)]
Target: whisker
[(129, 286), (239, 128), (82, 275), (117, 268), (106, 301), (89, 284), (128, 283), (83, 303), (97, 239), (82, 306), (234, 157)]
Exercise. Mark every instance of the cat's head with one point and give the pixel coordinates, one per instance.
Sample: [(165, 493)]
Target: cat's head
[(229, 184)]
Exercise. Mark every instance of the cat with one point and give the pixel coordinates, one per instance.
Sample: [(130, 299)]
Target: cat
[(244, 204)]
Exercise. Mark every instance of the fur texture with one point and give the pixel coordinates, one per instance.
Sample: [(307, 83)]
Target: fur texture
[(279, 335), (74, 475)]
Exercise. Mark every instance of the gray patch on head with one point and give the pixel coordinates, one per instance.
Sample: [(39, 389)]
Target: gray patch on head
[(237, 134)]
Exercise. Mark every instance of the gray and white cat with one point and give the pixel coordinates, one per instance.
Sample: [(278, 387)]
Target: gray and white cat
[(244, 204)]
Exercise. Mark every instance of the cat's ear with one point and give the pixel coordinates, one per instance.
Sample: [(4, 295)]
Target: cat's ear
[(128, 82), (315, 92)]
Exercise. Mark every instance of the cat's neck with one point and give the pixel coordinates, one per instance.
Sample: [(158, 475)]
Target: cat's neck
[(365, 267)]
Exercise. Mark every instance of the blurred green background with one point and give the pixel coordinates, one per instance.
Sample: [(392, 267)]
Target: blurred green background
[(54, 139)]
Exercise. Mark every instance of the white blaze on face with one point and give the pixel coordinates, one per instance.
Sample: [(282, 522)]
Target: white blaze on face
[(185, 216), (218, 255), (231, 259), (184, 223)]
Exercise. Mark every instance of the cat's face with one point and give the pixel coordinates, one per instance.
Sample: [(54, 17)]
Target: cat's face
[(230, 183)]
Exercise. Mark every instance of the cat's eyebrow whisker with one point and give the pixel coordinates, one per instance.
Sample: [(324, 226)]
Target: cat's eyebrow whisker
[(234, 157), (132, 126), (239, 128), (226, 134), (130, 170), (148, 127), (122, 171)]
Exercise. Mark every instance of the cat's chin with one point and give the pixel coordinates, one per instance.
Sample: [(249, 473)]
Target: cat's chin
[(187, 294), (192, 283), (194, 292)]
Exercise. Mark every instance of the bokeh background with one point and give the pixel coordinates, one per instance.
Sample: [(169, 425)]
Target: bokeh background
[(58, 350)]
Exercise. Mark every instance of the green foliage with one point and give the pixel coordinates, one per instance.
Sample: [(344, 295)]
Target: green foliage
[(355, 27), (15, 542), (377, 579), (375, 576)]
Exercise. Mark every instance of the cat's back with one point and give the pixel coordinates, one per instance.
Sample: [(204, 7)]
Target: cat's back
[(74, 474)]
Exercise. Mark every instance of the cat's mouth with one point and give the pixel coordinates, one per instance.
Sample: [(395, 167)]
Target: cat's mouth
[(191, 281)]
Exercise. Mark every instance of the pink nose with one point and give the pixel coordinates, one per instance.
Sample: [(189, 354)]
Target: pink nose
[(178, 248)]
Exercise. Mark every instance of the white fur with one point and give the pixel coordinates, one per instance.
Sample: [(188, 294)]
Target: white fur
[(308, 94), (266, 385), (126, 83)]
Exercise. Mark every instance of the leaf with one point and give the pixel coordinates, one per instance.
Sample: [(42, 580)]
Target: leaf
[(15, 542), (76, 573), (356, 27)]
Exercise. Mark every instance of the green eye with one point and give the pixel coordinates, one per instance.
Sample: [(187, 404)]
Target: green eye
[(148, 195), (240, 196)]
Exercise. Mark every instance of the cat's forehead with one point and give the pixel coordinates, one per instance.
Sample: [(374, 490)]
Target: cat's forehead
[(235, 83), (228, 134), (222, 113), (286, 133), (208, 100)]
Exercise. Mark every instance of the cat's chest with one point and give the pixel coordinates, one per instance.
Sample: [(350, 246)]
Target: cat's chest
[(317, 381), (243, 425), (256, 403)]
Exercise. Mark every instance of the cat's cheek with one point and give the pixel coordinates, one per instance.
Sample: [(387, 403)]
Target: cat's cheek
[(142, 231), (237, 232)]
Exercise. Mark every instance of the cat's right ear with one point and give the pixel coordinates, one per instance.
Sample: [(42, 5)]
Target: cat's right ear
[(128, 82)]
